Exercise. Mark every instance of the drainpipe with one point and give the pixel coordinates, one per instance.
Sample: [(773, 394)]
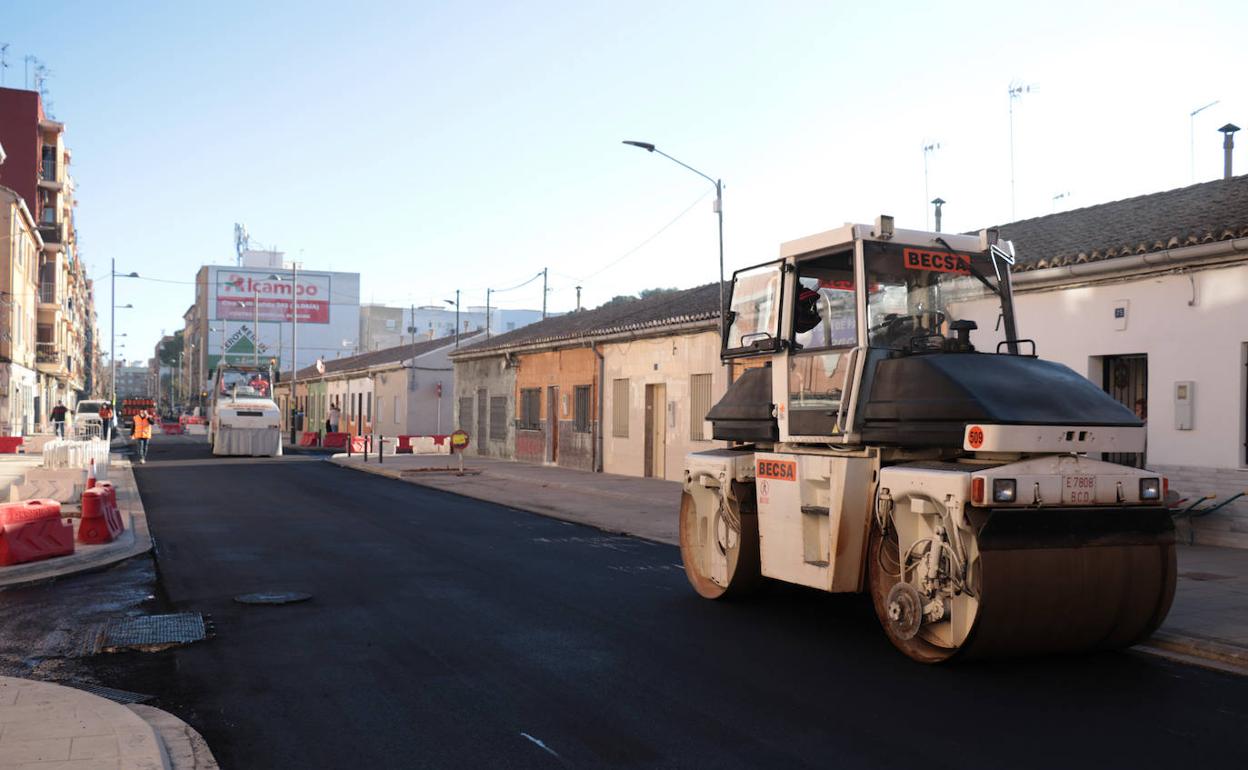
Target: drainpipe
[(1051, 277), (602, 370)]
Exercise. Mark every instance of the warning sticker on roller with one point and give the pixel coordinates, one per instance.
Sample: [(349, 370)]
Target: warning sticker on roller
[(782, 470)]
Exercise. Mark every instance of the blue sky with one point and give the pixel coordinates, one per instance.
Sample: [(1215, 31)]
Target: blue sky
[(435, 147)]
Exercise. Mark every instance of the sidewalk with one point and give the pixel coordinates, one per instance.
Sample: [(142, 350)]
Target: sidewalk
[(1207, 625), (134, 541), (45, 726)]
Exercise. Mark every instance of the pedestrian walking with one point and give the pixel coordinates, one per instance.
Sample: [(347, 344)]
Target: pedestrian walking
[(58, 418), (142, 434), (106, 420), (335, 414)]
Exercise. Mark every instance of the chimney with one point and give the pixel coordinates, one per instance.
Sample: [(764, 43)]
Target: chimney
[(937, 202), (1228, 144)]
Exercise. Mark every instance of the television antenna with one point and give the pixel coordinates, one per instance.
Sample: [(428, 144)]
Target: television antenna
[(242, 241), (1017, 89)]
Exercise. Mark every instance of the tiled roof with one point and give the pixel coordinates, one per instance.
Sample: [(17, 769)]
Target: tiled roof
[(1200, 213), (379, 357), (689, 306)]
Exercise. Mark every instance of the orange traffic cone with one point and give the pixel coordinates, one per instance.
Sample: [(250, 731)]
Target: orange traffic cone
[(91, 475)]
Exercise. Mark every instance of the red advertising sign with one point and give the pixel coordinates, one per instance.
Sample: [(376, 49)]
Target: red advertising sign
[(937, 261), (243, 294)]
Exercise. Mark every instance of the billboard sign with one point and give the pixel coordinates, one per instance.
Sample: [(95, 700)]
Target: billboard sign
[(239, 290)]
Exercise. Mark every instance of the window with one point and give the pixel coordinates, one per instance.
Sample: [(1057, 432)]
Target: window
[(465, 413), (754, 315), (498, 418), (580, 415), (530, 409), (396, 409), (915, 294), (824, 311), (700, 404), (619, 408)]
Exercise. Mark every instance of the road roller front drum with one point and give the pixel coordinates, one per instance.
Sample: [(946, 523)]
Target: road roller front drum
[(1038, 582)]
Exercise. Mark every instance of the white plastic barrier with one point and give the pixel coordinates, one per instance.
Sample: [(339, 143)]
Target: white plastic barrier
[(425, 445), (77, 454), (61, 490)]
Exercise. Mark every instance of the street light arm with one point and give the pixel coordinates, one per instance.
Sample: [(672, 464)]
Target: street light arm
[(651, 148)]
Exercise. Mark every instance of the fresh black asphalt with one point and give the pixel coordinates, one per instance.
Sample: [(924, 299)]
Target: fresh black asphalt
[(448, 632)]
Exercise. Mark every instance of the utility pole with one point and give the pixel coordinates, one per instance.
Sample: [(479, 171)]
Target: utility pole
[(294, 343), (578, 298), (255, 325), (544, 290), (457, 318), (487, 313)]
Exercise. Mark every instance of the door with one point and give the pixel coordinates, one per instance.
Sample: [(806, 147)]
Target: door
[(1126, 379), (552, 424), (483, 415), (656, 431)]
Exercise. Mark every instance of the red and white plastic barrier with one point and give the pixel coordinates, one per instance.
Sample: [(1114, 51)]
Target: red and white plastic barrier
[(101, 521), (32, 530)]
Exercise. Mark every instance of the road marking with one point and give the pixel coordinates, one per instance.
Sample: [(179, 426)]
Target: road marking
[(541, 745)]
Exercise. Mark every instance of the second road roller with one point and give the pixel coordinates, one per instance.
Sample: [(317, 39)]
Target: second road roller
[(876, 443)]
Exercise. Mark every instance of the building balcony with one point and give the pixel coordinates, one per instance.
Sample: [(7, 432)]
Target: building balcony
[(53, 235), (48, 294), (51, 359)]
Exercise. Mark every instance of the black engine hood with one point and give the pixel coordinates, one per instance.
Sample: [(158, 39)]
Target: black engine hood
[(927, 400)]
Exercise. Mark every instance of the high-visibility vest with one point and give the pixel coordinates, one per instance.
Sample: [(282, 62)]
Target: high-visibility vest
[(142, 427)]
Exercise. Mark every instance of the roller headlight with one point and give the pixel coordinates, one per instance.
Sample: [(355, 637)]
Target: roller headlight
[(1150, 489), (1004, 490)]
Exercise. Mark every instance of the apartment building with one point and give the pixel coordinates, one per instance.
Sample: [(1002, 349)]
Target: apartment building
[(36, 169), (20, 248)]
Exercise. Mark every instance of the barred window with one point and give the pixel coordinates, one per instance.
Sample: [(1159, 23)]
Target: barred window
[(498, 418), (699, 405), (619, 408), (530, 409), (581, 418), (465, 413)]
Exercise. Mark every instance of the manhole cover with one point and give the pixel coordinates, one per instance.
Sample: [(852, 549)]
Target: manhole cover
[(153, 632), (273, 597), (113, 694)]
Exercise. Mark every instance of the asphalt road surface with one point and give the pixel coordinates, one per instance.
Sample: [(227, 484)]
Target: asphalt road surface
[(446, 632)]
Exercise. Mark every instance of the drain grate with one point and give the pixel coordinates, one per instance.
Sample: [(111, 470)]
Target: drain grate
[(273, 597), (153, 632), (111, 693)]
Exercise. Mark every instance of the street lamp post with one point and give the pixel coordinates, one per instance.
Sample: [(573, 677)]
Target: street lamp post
[(294, 338), (112, 323), (719, 212), (456, 304)]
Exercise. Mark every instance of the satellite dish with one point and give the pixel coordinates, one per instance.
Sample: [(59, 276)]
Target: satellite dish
[(320, 366)]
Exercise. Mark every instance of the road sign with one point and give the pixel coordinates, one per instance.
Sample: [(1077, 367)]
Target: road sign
[(459, 441)]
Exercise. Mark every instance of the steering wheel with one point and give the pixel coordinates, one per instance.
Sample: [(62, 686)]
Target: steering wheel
[(897, 328)]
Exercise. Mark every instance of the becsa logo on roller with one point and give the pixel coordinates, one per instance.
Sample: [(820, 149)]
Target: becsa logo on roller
[(937, 261), (782, 470)]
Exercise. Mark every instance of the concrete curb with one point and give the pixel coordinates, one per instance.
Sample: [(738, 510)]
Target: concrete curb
[(424, 480), (46, 723), (1206, 653), (134, 541), (184, 747)]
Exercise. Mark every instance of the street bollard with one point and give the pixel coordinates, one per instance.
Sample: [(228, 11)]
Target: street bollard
[(365, 447), (381, 450), (349, 443)]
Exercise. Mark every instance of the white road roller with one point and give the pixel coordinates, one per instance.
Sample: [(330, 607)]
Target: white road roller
[(874, 448), (243, 418)]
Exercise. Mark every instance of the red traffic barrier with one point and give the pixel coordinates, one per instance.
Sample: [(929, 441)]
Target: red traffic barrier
[(101, 521), (29, 510), (171, 428), (109, 490), (335, 441), (32, 530), (404, 446), (440, 438), (309, 438), (9, 444), (359, 443)]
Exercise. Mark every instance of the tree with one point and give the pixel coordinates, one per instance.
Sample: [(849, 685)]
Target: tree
[(170, 351), (643, 294)]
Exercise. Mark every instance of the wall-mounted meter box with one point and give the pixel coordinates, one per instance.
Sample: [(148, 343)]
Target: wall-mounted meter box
[(1184, 404)]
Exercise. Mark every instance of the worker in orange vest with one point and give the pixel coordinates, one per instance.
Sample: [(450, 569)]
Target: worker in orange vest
[(142, 433)]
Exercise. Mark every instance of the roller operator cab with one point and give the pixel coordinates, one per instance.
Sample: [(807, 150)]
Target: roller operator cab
[(873, 447), (243, 418)]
